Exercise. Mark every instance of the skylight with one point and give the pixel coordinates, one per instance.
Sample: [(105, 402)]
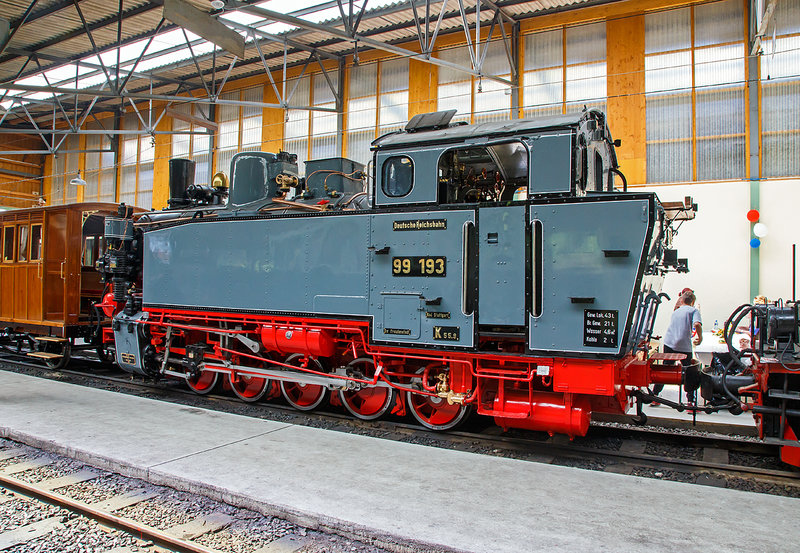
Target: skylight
[(170, 47)]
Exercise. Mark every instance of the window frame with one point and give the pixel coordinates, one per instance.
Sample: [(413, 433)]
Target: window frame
[(563, 106), (40, 245), (23, 248), (384, 168), (695, 94), (6, 230)]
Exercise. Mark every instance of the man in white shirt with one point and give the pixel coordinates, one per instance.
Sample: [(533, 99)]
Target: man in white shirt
[(678, 337)]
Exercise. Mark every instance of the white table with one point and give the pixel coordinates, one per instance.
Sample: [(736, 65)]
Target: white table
[(712, 344)]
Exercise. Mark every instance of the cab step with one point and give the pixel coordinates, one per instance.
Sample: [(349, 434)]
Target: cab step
[(44, 355), (49, 339)]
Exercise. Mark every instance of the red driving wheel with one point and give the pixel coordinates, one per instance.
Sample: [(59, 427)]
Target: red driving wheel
[(203, 383), (300, 395), (434, 412), (368, 403), (247, 387)]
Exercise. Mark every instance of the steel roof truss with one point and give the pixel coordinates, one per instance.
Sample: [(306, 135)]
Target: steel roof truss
[(138, 115), (334, 89), (266, 67), (35, 126), (364, 39), (139, 96), (56, 98), (196, 64), (144, 51), (225, 79), (465, 24), (436, 29), (20, 24), (95, 48), (24, 65), (297, 80), (423, 37)]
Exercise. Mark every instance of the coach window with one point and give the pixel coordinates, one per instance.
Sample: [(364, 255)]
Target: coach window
[(8, 244), (398, 176), (36, 242), (492, 173), (22, 251), (89, 251)]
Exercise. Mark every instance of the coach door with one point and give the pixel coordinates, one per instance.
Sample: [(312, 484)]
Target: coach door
[(55, 261), (423, 273)]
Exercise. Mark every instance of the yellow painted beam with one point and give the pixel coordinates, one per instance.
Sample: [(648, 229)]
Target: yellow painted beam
[(422, 86), (626, 98), (272, 120), (162, 153), (47, 187)]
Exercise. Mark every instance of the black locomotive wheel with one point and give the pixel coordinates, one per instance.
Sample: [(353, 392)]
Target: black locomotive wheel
[(371, 402), (105, 354), (203, 383), (300, 395)]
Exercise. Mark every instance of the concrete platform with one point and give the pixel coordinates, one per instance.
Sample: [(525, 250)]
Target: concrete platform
[(402, 493)]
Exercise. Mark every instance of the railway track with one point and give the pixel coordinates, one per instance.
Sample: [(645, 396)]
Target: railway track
[(685, 453), (49, 503), (143, 534)]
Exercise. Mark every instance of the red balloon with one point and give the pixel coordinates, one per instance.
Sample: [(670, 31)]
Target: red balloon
[(753, 215)]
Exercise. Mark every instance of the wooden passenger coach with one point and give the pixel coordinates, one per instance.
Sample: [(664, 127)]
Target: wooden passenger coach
[(48, 282)]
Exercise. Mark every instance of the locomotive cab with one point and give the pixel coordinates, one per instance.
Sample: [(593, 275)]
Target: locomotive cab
[(523, 192), (570, 155)]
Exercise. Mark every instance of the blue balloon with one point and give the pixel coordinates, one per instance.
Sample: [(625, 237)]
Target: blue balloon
[(755, 242)]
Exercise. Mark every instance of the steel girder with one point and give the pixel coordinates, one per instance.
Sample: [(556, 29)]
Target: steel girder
[(426, 22)]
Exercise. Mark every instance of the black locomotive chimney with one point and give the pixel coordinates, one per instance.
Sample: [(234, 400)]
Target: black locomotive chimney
[(181, 175)]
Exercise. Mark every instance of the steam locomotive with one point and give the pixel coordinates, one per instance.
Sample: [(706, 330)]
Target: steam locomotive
[(494, 268)]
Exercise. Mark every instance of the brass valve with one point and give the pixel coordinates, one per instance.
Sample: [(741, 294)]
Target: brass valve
[(286, 181), (442, 387), (453, 397), (443, 390)]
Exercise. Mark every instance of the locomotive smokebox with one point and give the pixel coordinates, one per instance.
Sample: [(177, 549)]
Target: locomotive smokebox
[(181, 176)]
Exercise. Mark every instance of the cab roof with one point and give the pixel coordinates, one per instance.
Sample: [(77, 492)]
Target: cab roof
[(460, 133)]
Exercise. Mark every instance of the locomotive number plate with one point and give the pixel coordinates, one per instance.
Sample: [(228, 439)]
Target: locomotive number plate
[(419, 266)]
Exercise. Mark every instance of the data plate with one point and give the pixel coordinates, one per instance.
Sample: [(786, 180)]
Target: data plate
[(600, 328)]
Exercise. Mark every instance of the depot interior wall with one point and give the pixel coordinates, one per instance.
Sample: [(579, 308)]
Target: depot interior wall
[(778, 208), (625, 104), (717, 245), (20, 175)]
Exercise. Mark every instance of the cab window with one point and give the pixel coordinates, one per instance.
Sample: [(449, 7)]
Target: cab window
[(8, 244), (493, 173), (398, 176)]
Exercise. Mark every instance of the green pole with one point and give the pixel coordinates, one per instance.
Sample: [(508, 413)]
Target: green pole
[(755, 172), (755, 265)]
